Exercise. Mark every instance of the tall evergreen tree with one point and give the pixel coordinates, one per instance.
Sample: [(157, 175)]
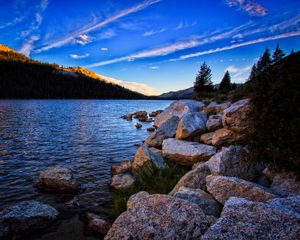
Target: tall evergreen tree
[(264, 62), (225, 84), (203, 81), (278, 54), (253, 73), (292, 52)]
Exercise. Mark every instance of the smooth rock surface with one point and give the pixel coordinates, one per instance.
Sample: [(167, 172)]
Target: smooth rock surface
[(245, 220), (165, 130), (222, 188), (223, 137), (122, 181), (214, 122), (235, 117), (186, 153), (206, 138), (195, 178), (204, 200), (232, 162), (215, 108), (147, 157), (57, 179), (179, 109), (160, 217), (191, 125), (98, 224), (24, 218)]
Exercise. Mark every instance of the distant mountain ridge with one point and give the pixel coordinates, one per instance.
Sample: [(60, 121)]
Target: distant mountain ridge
[(22, 77), (181, 94)]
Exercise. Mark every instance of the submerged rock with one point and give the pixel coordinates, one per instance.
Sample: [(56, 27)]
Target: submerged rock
[(222, 188), (98, 224), (245, 220), (186, 153), (195, 178), (122, 181), (232, 162), (146, 157), (165, 130), (160, 217), (179, 109), (138, 125), (24, 218), (127, 117), (57, 179), (204, 200), (121, 167), (155, 113)]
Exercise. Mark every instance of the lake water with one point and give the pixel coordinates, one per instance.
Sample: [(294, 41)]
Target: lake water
[(86, 136)]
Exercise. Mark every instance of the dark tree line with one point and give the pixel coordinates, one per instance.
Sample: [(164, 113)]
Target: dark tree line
[(21, 77)]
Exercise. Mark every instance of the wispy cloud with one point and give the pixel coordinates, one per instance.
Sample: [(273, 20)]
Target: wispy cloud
[(104, 49), (99, 25), (250, 7), (76, 56), (185, 24), (153, 32), (107, 34), (31, 35), (83, 39), (239, 74), (226, 48), (154, 67)]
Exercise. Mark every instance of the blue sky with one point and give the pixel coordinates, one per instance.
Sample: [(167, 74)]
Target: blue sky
[(160, 43)]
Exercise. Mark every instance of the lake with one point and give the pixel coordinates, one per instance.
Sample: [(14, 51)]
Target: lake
[(86, 136)]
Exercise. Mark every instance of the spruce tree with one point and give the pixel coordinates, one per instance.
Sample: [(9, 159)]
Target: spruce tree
[(203, 81), (225, 84), (292, 52), (253, 73), (264, 62), (278, 54)]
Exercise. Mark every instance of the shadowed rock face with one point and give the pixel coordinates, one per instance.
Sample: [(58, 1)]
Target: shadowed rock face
[(222, 188), (179, 109), (122, 181), (97, 224), (232, 162), (25, 217), (191, 125), (166, 130), (57, 180), (204, 200), (186, 153), (245, 220), (160, 217), (214, 122), (223, 137)]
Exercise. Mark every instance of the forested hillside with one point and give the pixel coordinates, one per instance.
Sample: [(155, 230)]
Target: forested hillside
[(21, 78)]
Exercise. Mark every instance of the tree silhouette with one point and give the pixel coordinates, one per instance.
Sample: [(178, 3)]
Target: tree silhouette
[(278, 54), (225, 84), (264, 62), (203, 81)]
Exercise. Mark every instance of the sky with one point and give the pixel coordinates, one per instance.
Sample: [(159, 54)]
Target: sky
[(152, 46)]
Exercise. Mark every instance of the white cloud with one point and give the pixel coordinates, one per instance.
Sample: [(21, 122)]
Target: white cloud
[(134, 86), (185, 24), (83, 39), (232, 69), (86, 29), (153, 32), (76, 56), (106, 34), (154, 67), (239, 74), (104, 49), (250, 7)]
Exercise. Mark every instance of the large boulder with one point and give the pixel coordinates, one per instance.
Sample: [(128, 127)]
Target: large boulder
[(214, 122), (122, 182), (235, 117), (179, 109), (186, 153), (166, 130), (223, 137), (206, 138), (57, 179), (146, 157), (24, 218), (191, 124), (245, 220), (232, 162), (195, 178), (160, 217), (223, 188), (216, 108), (204, 200)]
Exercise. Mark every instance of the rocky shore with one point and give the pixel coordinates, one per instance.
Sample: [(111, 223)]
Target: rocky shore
[(223, 195)]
